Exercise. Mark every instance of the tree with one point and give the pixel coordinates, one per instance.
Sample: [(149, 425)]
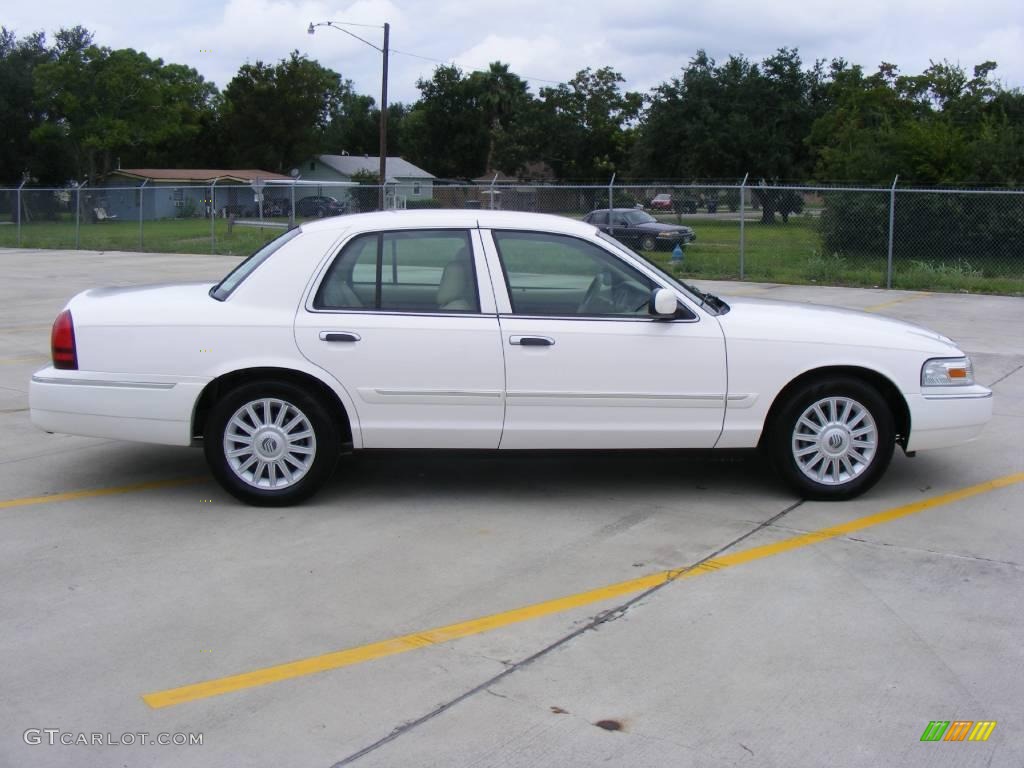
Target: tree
[(354, 127), (501, 95), (276, 115), (942, 126), (103, 104), (587, 124), (724, 121), (446, 131), (21, 115)]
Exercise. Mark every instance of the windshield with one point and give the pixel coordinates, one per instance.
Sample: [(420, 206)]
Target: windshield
[(718, 307), (639, 217), (234, 278)]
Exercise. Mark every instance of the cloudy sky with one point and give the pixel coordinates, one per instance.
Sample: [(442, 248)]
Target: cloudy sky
[(544, 40)]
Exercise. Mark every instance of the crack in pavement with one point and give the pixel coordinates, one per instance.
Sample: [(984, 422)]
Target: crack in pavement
[(604, 617), (957, 555), (1006, 376)]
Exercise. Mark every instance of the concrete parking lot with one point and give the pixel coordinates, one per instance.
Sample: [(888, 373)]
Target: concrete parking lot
[(471, 610)]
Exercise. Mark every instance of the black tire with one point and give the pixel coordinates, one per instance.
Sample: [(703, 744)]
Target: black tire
[(648, 243), (835, 440), (324, 445)]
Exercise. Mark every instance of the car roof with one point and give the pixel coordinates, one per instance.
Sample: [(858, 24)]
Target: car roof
[(450, 217)]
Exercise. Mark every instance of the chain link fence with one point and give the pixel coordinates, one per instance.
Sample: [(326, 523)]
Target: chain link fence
[(908, 238)]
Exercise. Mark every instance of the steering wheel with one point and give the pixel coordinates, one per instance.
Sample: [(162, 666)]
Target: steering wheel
[(625, 297), (592, 293)]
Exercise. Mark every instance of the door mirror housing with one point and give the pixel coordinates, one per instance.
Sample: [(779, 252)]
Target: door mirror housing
[(663, 303)]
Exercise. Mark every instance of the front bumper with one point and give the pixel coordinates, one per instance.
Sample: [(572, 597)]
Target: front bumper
[(682, 238), (941, 417), (150, 409)]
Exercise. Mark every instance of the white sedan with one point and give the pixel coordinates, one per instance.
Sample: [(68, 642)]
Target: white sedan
[(491, 330)]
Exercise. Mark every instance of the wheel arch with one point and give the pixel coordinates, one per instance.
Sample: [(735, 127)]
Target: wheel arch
[(231, 379), (883, 384)]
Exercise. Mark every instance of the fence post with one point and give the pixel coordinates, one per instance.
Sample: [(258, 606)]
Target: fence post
[(78, 212), (892, 223), (743, 234), (493, 182), (291, 211), (611, 196), (213, 217), (23, 182), (141, 199)]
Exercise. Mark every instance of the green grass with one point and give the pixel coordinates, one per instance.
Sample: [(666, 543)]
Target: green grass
[(163, 236), (792, 253), (783, 253)]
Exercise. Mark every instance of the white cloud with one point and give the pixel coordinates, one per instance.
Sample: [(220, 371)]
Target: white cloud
[(648, 40)]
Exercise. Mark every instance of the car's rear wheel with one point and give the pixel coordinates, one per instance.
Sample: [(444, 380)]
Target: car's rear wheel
[(832, 439), (648, 243), (270, 443)]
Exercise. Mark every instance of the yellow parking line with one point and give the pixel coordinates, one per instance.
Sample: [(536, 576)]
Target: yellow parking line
[(900, 300), (404, 643), (93, 492)]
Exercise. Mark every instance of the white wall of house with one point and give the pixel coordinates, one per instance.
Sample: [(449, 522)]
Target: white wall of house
[(314, 170)]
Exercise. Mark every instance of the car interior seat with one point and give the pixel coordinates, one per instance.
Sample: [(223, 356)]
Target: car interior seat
[(455, 291), (339, 294)]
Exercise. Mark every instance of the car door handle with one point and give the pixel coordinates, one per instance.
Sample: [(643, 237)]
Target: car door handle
[(531, 341), (339, 336)]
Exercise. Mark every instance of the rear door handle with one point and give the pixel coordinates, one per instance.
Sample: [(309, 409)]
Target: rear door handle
[(339, 336), (532, 341)]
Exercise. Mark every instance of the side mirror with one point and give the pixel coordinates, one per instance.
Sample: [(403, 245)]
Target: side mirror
[(663, 303)]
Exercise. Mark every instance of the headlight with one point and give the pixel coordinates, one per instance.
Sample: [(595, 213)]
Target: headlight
[(947, 372), (668, 234)]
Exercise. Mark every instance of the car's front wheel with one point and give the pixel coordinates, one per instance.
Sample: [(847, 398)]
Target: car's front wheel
[(832, 439), (270, 443), (648, 243)]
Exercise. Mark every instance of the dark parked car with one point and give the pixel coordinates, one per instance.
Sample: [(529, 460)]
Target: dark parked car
[(276, 206), (319, 206), (638, 228)]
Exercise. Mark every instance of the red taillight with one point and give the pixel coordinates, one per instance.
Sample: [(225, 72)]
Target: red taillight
[(62, 342)]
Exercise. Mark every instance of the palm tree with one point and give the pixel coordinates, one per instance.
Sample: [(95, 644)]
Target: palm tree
[(501, 93)]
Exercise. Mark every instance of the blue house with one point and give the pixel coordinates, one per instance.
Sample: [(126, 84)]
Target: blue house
[(174, 193)]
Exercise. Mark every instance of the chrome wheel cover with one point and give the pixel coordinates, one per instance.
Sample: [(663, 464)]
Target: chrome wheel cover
[(269, 444), (834, 440)]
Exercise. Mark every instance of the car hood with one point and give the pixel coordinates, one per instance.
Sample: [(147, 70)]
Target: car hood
[(773, 320), (657, 226)]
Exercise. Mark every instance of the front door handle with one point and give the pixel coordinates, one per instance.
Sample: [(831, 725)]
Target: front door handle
[(339, 336), (532, 341)]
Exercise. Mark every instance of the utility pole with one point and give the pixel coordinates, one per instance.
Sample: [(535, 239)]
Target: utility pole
[(384, 116)]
